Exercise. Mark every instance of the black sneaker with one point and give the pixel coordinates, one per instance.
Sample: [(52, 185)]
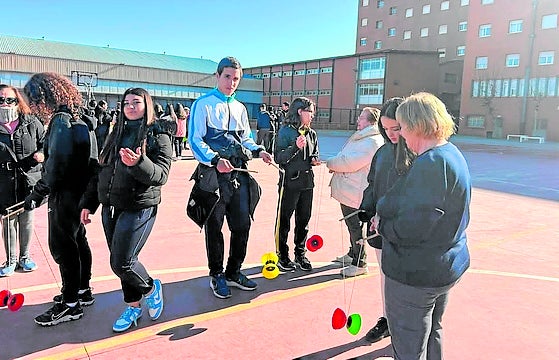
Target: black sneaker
[(242, 282), (218, 284), (303, 263), (59, 312), (379, 331), (85, 299), (286, 265)]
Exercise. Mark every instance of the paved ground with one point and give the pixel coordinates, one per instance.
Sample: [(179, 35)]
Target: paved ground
[(505, 307)]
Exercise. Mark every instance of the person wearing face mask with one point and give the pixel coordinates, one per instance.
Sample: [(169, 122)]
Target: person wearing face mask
[(21, 146), (134, 165)]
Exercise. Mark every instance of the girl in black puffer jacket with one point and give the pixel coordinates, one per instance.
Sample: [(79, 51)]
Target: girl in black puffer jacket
[(134, 165)]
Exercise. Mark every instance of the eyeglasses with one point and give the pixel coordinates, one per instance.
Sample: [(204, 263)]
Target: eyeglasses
[(9, 100)]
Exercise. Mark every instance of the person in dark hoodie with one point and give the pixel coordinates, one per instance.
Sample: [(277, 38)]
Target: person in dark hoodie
[(70, 148), (134, 165), (21, 155), (390, 162)]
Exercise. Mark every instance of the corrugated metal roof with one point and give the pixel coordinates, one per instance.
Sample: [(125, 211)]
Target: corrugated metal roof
[(61, 50)]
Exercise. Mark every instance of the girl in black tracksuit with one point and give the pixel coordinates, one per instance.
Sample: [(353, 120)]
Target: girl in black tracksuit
[(296, 151)]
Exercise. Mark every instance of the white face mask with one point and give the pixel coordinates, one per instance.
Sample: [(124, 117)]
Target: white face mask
[(8, 114)]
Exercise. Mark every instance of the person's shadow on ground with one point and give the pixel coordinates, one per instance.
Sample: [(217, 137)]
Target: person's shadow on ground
[(182, 299)]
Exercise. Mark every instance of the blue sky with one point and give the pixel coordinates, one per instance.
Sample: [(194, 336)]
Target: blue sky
[(257, 32)]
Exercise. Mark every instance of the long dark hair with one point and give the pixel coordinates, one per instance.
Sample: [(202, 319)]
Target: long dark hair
[(292, 116), (403, 155), (110, 150)]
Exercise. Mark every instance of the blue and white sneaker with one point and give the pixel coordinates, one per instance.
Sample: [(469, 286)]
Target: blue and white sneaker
[(7, 269), (155, 300), (129, 316), (26, 264), (218, 284)]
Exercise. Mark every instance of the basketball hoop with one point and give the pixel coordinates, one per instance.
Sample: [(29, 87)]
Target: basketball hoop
[(87, 80)]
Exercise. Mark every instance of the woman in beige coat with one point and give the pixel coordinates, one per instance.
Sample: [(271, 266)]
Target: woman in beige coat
[(350, 168)]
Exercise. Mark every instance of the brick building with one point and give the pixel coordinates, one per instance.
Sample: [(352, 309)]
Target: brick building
[(510, 79)]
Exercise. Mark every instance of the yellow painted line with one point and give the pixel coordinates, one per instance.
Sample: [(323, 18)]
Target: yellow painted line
[(153, 330), (515, 275), (85, 350)]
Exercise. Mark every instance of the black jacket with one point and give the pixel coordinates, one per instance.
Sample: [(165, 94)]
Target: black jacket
[(70, 154), (136, 187), (26, 140), (296, 162)]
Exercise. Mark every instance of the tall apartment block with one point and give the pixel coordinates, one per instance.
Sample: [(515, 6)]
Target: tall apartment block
[(510, 80)]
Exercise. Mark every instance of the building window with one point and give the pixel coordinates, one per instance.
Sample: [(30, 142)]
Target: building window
[(546, 58), (312, 71), (378, 45), (464, 2), (460, 50), (450, 78), (276, 74), (392, 10), (481, 62), (365, 3), (299, 72), (505, 88), (424, 32), (378, 24), (475, 88), (485, 30), (442, 52), (443, 29), (265, 75), (372, 68), (288, 73), (549, 21), (463, 26), (363, 41), (364, 22), (324, 92), (445, 5), (551, 86), (486, 2), (371, 93), (426, 9), (515, 26), (513, 60), (392, 32), (514, 87), (476, 121), (380, 4), (409, 12), (407, 34), (326, 69), (257, 76)]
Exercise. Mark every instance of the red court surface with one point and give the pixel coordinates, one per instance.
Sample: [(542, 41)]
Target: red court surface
[(505, 307)]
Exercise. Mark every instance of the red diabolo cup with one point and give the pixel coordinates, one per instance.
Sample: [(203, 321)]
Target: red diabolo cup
[(314, 243), (339, 319)]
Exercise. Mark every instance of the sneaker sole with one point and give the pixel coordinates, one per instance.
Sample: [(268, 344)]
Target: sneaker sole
[(119, 330), (284, 269), (372, 341), (239, 286), (61, 320), (300, 267)]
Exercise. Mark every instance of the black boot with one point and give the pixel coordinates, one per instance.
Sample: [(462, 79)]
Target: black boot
[(379, 331)]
